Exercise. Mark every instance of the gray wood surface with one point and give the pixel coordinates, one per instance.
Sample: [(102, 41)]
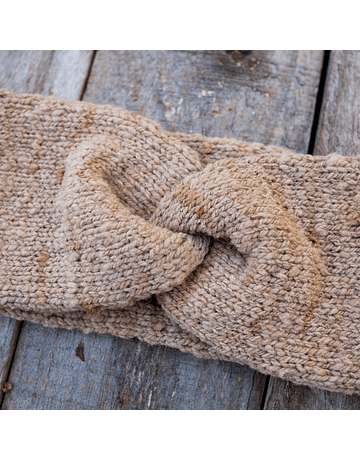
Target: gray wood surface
[(338, 132), (121, 374), (51, 73), (339, 129), (257, 96), (9, 332), (284, 395), (58, 73)]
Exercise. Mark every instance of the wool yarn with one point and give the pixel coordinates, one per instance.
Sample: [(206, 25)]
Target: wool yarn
[(220, 248)]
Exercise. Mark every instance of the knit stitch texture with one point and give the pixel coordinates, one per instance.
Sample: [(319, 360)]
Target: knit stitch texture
[(220, 248)]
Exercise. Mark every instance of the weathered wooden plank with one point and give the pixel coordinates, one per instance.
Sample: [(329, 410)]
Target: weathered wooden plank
[(260, 96), (257, 96), (120, 374), (51, 73), (338, 132), (58, 73), (9, 332), (339, 126), (284, 395)]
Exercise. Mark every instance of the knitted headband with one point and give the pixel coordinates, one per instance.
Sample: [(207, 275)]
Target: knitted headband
[(220, 248)]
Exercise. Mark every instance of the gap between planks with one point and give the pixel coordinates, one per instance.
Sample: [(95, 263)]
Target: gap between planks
[(319, 102)]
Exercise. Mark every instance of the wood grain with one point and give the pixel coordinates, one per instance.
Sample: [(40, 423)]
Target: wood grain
[(58, 73), (121, 374), (338, 132), (258, 96), (51, 73), (284, 395), (339, 128), (9, 332)]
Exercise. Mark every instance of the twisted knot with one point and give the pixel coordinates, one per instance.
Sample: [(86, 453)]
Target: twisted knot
[(219, 246), (213, 246)]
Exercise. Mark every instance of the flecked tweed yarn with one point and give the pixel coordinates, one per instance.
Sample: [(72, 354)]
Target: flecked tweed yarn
[(220, 248)]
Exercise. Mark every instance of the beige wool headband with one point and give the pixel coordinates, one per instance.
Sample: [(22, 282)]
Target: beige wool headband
[(220, 248)]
